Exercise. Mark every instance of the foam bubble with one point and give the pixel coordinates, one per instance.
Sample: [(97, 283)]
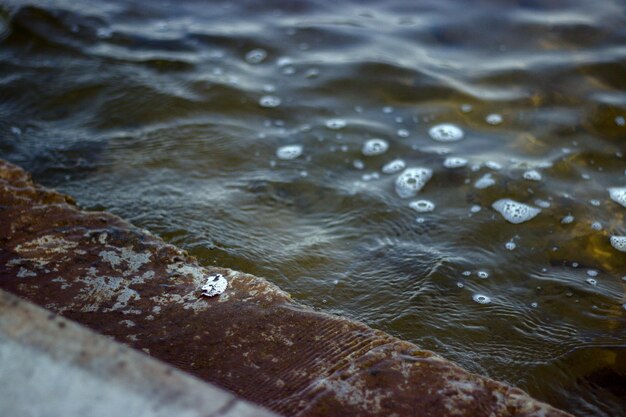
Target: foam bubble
[(619, 243), (567, 219), (375, 147), (532, 175), (475, 208), (494, 119), (454, 162), (269, 102), (620, 121), (591, 281), (592, 272), (446, 132), (510, 245), (466, 108), (493, 165), (618, 194), (394, 166), (515, 212), (482, 274), (256, 56), (481, 299), (336, 124), (403, 133), (596, 226), (484, 182), (289, 152), (411, 181), (422, 206), (595, 203), (358, 164)]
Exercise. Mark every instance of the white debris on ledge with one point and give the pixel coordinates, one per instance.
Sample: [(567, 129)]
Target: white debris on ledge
[(215, 285)]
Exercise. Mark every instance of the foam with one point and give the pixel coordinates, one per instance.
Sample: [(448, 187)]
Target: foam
[(481, 299), (256, 56), (411, 181), (493, 165), (394, 166), (532, 175), (484, 182), (446, 132), (618, 194), (510, 245), (567, 219), (515, 212), (455, 162), (619, 243), (422, 206), (375, 147), (336, 124), (289, 152), (269, 102)]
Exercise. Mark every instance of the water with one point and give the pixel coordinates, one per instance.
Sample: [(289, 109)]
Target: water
[(154, 110)]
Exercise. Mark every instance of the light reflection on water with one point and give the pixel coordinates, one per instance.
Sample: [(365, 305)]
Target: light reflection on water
[(240, 132)]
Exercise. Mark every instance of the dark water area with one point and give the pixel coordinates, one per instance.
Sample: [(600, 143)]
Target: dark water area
[(258, 135)]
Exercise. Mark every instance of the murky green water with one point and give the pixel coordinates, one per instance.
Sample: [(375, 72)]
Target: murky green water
[(172, 114)]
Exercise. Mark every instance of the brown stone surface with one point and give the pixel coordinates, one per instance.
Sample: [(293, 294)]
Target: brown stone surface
[(254, 340)]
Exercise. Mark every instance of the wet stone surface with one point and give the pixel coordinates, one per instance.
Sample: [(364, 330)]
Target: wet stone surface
[(252, 339)]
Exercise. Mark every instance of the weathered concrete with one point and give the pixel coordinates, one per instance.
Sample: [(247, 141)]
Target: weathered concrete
[(253, 339), (52, 367)]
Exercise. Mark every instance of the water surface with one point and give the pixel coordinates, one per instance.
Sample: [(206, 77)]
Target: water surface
[(259, 136)]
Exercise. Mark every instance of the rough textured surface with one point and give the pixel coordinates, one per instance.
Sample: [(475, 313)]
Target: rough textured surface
[(52, 367), (253, 339)]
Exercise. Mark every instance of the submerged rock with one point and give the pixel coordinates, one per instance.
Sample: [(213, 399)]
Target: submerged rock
[(252, 339)]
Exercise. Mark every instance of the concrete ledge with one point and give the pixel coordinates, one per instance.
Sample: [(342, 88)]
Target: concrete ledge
[(253, 339), (51, 367)]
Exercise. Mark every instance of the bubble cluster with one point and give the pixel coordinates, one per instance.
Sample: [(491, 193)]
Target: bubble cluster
[(532, 175), (375, 147), (481, 299), (256, 56), (618, 194), (394, 166), (336, 124), (515, 212), (289, 152), (422, 206), (269, 102), (619, 243), (484, 182), (455, 162), (411, 181), (446, 132)]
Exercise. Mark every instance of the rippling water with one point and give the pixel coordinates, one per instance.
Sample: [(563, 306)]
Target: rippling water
[(238, 130)]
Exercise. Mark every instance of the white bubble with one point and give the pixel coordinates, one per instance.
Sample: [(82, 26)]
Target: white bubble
[(481, 299), (484, 182), (256, 56), (542, 203), (567, 219), (375, 147), (460, 284), (534, 305), (591, 281), (422, 206), (336, 124), (482, 274), (269, 102), (510, 245), (619, 243), (595, 203), (370, 177), (515, 212), (466, 108), (493, 165), (358, 164), (620, 121), (494, 119), (532, 175), (284, 61), (387, 109), (420, 220), (411, 181), (16, 130), (394, 166), (454, 162), (403, 133), (467, 273), (592, 272), (446, 132), (596, 226), (475, 208), (618, 194), (289, 152)]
